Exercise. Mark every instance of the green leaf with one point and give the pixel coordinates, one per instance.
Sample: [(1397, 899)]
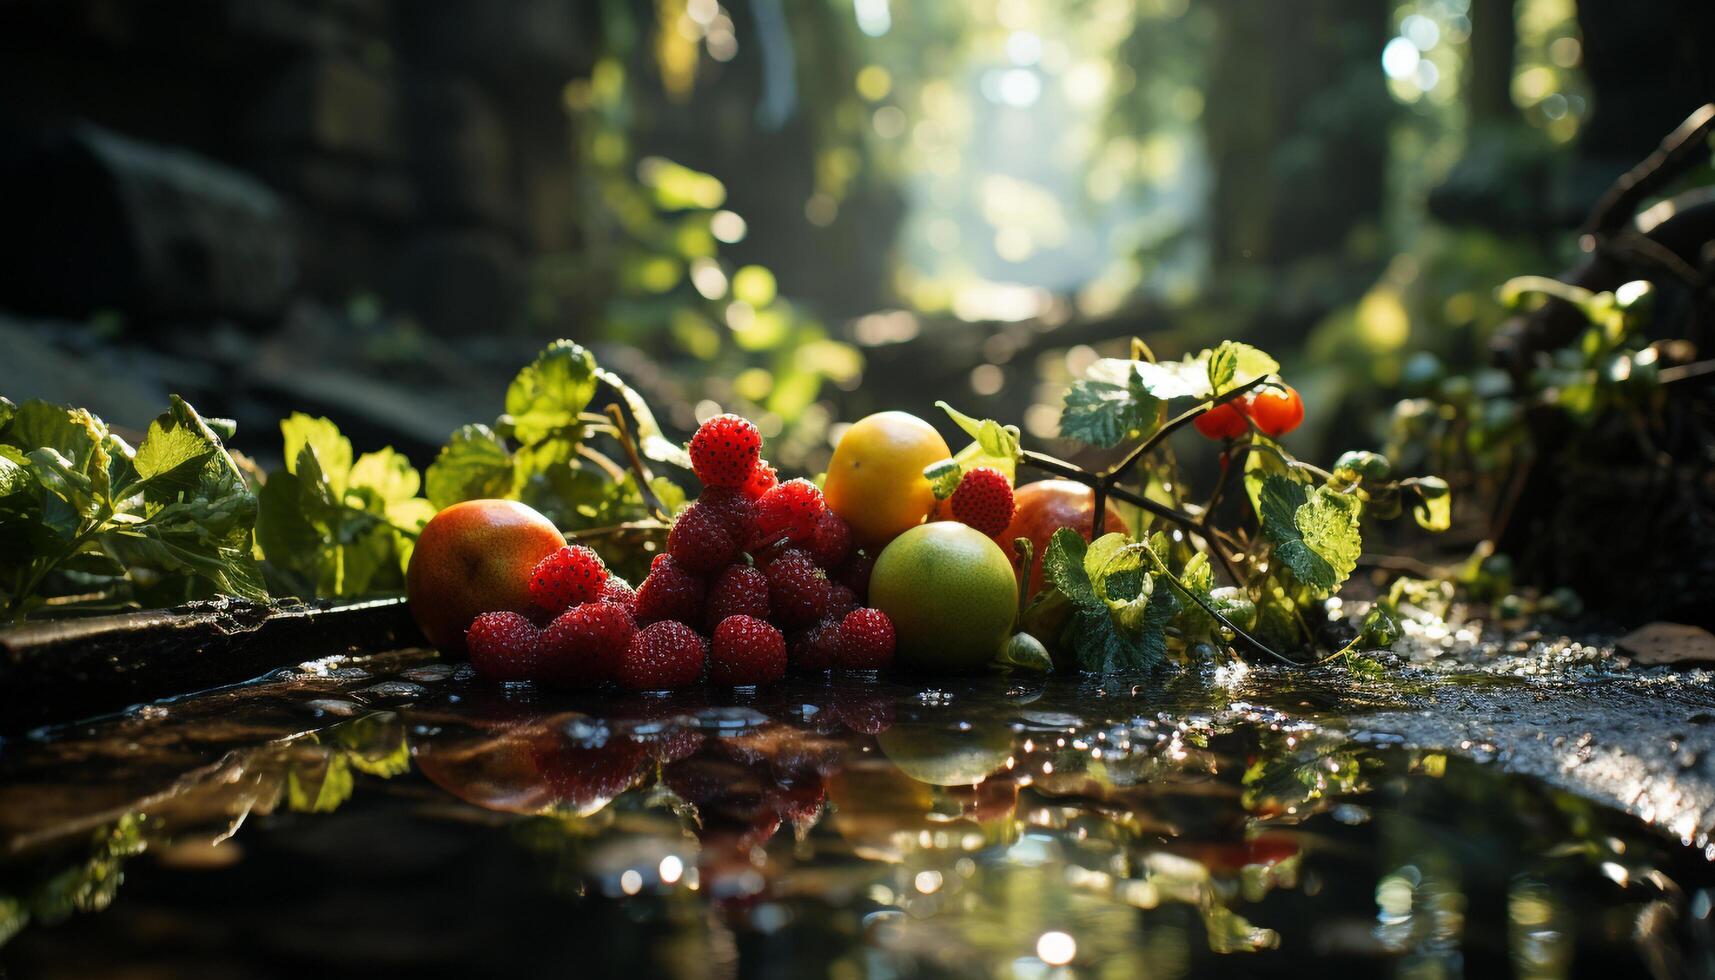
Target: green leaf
[(1024, 652), (1104, 414), (319, 789), (474, 464), (8, 411), (388, 473), (996, 440), (322, 437), (944, 477), (650, 441), (551, 390), (72, 432), (1433, 510), (1223, 363), (1315, 531), (180, 457), (1063, 567)]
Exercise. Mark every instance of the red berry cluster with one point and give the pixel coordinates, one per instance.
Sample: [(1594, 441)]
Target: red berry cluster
[(759, 577)]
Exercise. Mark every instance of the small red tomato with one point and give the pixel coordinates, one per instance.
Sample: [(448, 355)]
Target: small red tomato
[(1222, 422), (1276, 411)]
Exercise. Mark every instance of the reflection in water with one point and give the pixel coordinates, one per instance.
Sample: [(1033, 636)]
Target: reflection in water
[(846, 828)]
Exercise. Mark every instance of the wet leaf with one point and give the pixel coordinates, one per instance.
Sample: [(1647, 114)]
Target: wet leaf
[(1315, 531), (1669, 643)]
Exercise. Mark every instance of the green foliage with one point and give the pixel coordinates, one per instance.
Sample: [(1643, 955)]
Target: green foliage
[(334, 527), (992, 445), (86, 518), (1120, 611), (1315, 531), (1119, 605)]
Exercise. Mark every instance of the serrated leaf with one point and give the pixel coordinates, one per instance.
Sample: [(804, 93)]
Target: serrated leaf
[(181, 457), (1315, 531), (1063, 567), (650, 441), (474, 464), (1104, 414), (322, 438), (550, 391)]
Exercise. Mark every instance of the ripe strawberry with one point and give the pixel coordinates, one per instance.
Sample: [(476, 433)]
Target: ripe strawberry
[(983, 500), (735, 510), (567, 577), (798, 803), (700, 540), (725, 451), (762, 479), (841, 600), (814, 650), (619, 592), (854, 574), (746, 650), (503, 646), (740, 590), (789, 510), (831, 542), (661, 656), (797, 589), (669, 592), (583, 646), (866, 640)]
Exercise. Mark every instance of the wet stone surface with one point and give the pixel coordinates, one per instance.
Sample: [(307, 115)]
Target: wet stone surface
[(1476, 805)]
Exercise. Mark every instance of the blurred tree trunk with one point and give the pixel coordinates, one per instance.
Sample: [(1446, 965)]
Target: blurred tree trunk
[(1296, 122), (1494, 38)]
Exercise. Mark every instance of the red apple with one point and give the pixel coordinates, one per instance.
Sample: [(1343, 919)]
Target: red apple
[(475, 557), (1047, 506)]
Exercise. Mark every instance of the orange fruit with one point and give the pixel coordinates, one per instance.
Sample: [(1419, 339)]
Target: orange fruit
[(875, 480), (951, 594), (475, 557)]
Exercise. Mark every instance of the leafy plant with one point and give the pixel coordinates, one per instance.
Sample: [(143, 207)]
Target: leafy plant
[(95, 524), (1122, 605)]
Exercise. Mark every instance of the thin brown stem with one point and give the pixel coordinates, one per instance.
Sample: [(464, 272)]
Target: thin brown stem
[(638, 467), (1059, 467), (612, 530)]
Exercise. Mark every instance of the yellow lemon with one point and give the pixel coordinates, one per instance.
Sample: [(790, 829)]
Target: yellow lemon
[(950, 592), (875, 480)]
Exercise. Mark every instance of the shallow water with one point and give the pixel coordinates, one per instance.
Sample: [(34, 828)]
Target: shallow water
[(393, 814)]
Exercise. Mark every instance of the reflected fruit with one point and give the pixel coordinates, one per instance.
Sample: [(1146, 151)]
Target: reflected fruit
[(950, 592), (875, 480), (941, 755)]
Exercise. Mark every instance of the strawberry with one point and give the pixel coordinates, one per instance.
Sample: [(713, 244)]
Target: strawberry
[(854, 574), (583, 646), (983, 499), (568, 577), (841, 600), (619, 592), (701, 541), (503, 646), (815, 650), (790, 511), (661, 656), (831, 542), (735, 510), (797, 589), (725, 451), (746, 650), (740, 590), (762, 479), (669, 592), (865, 640)]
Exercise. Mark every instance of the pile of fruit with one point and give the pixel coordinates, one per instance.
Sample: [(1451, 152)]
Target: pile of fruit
[(759, 577)]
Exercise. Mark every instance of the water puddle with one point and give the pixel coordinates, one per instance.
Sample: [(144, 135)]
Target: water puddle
[(393, 814)]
